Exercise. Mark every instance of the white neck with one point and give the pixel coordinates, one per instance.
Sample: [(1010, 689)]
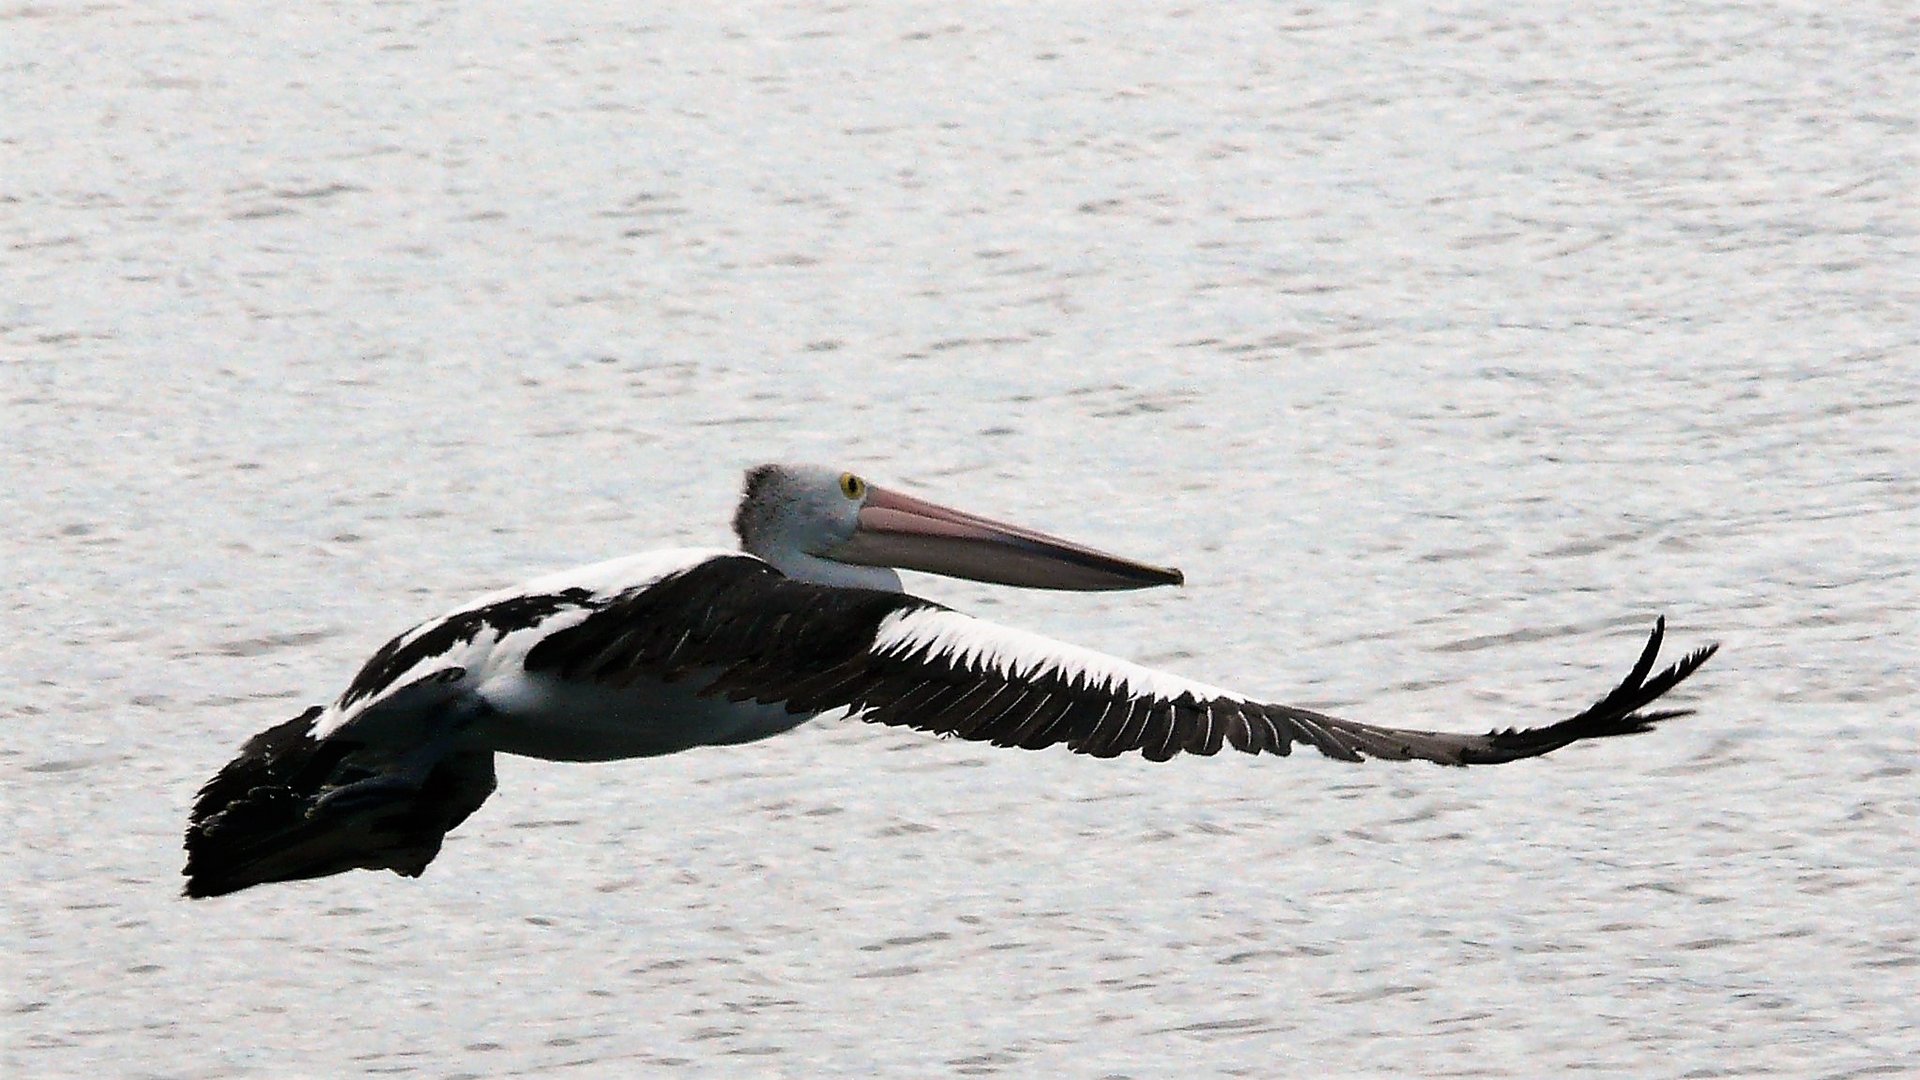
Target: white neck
[(803, 566)]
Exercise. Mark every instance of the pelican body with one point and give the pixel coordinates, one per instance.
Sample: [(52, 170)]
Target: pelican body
[(670, 650)]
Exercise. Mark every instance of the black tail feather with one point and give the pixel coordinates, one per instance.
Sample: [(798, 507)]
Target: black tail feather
[(248, 803), (261, 818)]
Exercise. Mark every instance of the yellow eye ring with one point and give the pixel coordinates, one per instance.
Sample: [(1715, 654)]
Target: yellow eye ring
[(852, 486)]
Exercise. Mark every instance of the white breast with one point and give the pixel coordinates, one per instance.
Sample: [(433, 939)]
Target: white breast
[(557, 720)]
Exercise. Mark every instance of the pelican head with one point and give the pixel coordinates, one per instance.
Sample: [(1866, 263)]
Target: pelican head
[(831, 527)]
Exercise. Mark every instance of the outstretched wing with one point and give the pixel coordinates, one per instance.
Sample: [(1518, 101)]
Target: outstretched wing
[(736, 629)]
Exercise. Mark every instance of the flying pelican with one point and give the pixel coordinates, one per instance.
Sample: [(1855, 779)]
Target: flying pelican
[(657, 653)]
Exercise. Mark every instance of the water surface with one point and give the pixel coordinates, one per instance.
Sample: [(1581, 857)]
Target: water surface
[(1441, 350)]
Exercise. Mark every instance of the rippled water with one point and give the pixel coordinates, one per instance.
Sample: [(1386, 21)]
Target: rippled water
[(1442, 350)]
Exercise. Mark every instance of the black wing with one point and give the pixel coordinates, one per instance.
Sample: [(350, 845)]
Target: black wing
[(740, 630)]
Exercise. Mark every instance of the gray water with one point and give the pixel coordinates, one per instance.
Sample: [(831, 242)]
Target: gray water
[(1443, 351)]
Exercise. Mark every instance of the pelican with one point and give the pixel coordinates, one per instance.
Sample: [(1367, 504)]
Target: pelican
[(669, 650)]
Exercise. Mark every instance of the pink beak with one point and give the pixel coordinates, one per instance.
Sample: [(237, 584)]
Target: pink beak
[(913, 534)]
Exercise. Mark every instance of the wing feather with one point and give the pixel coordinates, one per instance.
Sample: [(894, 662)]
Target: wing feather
[(892, 659)]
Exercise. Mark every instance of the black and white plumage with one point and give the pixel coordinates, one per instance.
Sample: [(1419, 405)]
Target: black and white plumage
[(662, 652)]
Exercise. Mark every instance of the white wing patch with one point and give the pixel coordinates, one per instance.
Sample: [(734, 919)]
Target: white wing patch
[(605, 580), (490, 654), (1017, 654)]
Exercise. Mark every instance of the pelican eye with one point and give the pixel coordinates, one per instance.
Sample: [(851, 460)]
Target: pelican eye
[(852, 486)]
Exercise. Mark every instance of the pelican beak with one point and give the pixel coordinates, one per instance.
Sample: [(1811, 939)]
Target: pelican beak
[(912, 534)]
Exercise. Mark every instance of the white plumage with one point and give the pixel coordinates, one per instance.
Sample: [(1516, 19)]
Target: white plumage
[(1014, 654)]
